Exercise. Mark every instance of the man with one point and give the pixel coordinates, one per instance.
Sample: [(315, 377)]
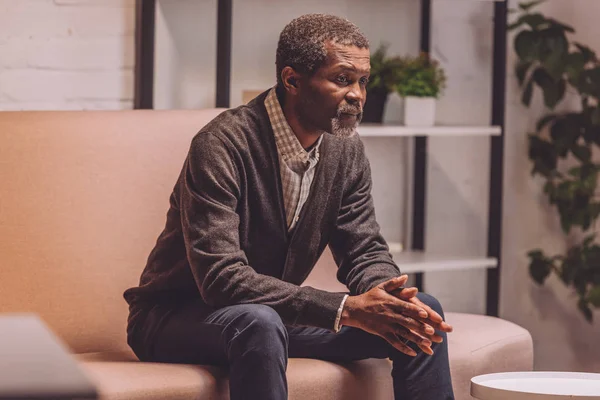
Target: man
[(264, 188)]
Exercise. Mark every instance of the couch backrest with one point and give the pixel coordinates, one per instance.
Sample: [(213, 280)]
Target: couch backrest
[(83, 197)]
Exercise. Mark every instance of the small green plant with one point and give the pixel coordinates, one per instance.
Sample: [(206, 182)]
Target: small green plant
[(420, 76), (562, 145), (385, 71)]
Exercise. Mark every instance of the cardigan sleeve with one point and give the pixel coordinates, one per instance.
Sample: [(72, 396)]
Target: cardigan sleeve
[(209, 192), (359, 249)]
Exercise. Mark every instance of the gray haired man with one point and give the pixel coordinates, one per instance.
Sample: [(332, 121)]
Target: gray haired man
[(264, 189)]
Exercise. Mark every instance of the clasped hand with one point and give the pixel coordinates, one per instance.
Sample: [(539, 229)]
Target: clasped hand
[(396, 314)]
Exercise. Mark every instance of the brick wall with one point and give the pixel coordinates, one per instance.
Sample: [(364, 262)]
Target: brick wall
[(66, 54)]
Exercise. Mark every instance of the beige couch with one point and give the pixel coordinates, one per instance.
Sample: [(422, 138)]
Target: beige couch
[(83, 198)]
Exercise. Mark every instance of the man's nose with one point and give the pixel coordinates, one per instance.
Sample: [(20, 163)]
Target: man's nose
[(355, 94)]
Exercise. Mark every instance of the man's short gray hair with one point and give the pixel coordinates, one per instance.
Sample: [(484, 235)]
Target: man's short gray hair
[(302, 42)]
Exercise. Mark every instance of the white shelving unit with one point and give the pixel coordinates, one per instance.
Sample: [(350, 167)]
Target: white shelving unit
[(389, 130), (411, 261)]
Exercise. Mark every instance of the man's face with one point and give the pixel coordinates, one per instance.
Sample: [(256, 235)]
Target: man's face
[(334, 96)]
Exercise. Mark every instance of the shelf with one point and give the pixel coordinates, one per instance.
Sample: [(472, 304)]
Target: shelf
[(389, 130), (419, 261)]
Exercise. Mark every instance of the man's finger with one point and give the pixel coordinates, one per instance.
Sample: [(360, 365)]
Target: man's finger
[(408, 309), (405, 293), (394, 283), (423, 343), (434, 319), (399, 344), (418, 326)]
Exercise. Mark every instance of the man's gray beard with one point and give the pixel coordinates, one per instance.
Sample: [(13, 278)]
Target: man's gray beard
[(337, 129)]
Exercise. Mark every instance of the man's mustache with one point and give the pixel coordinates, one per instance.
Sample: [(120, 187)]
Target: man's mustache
[(348, 109)]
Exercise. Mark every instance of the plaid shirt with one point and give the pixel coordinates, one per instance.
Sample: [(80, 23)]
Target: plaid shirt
[(297, 166)]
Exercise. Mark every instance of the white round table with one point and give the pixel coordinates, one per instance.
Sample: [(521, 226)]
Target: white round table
[(536, 386)]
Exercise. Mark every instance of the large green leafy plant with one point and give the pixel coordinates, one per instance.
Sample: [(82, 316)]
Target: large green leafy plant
[(420, 76), (562, 146), (385, 70)]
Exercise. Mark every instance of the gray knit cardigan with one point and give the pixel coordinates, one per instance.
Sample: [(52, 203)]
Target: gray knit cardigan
[(226, 239)]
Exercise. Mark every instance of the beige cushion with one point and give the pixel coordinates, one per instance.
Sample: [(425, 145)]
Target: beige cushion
[(84, 195), (479, 345), (308, 379)]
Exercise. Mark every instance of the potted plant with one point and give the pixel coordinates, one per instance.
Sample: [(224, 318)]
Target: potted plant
[(562, 146), (420, 83), (384, 77)]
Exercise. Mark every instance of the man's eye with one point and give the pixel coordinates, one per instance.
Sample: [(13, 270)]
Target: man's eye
[(342, 79), (364, 81)]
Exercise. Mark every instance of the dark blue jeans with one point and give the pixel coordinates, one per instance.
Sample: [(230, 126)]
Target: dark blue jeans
[(254, 344)]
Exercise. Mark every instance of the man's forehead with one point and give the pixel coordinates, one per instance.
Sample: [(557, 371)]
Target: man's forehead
[(348, 55)]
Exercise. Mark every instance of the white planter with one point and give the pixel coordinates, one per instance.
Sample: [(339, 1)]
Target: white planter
[(419, 111)]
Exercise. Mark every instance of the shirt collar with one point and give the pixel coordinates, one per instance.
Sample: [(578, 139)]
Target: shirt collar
[(288, 145)]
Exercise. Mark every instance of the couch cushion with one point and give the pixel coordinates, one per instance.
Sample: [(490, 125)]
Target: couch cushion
[(314, 379), (481, 345), (84, 195), (478, 345)]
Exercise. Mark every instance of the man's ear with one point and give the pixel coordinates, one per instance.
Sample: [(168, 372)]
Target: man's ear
[(290, 79)]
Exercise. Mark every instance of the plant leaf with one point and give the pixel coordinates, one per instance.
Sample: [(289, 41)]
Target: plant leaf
[(570, 265), (521, 71), (527, 93), (552, 43), (553, 91), (583, 153), (574, 64), (594, 296), (539, 267), (534, 20), (588, 53), (585, 309), (542, 78), (565, 132), (543, 154), (527, 45), (560, 25), (544, 121), (566, 222), (528, 5)]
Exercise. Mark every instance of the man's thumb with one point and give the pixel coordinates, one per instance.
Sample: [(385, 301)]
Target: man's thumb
[(395, 283)]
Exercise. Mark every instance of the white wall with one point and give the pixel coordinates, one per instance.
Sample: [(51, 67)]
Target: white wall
[(185, 56), (563, 340), (66, 54)]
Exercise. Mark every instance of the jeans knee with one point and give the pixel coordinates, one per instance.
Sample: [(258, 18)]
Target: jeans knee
[(256, 333), (432, 302), (261, 321)]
